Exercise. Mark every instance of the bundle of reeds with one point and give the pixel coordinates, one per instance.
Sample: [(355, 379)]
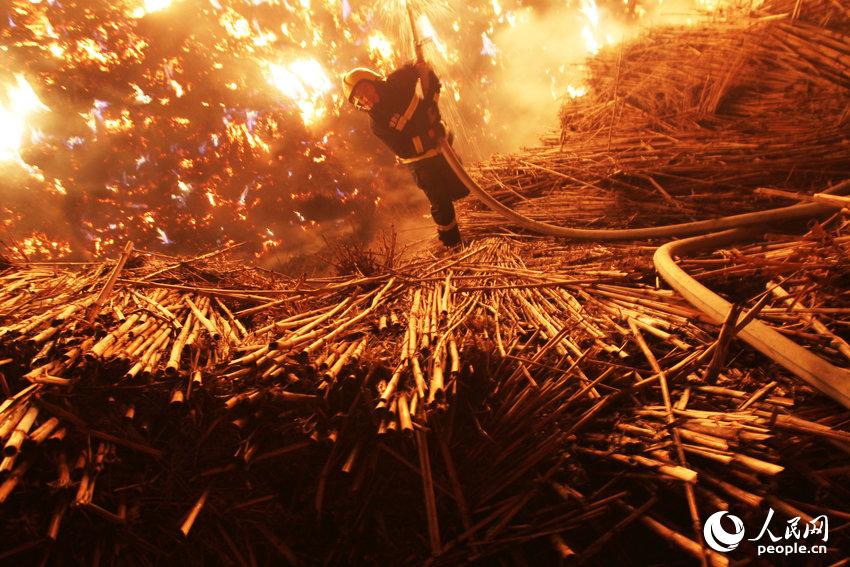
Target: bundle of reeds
[(684, 124), (503, 398)]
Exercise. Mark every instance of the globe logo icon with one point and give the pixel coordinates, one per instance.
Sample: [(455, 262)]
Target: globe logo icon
[(716, 535)]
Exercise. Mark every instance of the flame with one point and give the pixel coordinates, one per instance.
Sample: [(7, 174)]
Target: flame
[(140, 95), (305, 83), (590, 11), (380, 47), (150, 7), (156, 5), (39, 244), (718, 5), (235, 25), (22, 103), (576, 92), (178, 88), (123, 123)]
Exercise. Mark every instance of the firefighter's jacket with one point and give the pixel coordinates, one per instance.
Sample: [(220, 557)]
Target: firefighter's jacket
[(406, 115)]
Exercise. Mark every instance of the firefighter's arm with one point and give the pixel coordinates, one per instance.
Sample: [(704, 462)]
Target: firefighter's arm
[(431, 83), (398, 142), (437, 86), (439, 130)]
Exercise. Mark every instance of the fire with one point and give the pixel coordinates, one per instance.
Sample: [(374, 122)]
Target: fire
[(235, 25), (11, 135), (306, 84), (576, 92), (712, 6), (150, 7), (156, 5), (22, 103), (139, 112), (591, 12), (93, 52), (380, 47), (39, 244), (497, 8)]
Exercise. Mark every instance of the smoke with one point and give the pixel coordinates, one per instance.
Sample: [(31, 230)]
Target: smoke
[(517, 73), (539, 58)]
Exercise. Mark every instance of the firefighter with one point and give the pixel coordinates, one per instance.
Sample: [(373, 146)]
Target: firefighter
[(405, 116)]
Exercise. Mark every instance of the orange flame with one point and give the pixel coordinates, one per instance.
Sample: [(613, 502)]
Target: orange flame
[(22, 103), (305, 83)]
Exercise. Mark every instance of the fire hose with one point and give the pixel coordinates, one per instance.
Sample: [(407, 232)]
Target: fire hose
[(794, 212), (812, 369)]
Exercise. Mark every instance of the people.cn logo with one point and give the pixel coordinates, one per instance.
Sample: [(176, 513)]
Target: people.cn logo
[(716, 535)]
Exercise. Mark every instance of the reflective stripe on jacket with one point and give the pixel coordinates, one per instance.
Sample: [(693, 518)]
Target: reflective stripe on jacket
[(405, 113)]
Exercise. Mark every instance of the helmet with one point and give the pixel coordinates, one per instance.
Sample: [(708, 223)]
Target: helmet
[(351, 78)]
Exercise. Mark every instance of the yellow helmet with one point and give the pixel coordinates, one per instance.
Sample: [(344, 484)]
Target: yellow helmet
[(351, 78)]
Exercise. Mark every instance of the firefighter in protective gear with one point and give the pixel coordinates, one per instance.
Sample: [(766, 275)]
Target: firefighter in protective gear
[(404, 112)]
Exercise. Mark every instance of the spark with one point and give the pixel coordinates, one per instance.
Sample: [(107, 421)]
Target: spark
[(178, 88), (140, 95), (119, 124), (94, 53), (73, 142), (489, 48), (235, 25), (590, 11), (298, 46)]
